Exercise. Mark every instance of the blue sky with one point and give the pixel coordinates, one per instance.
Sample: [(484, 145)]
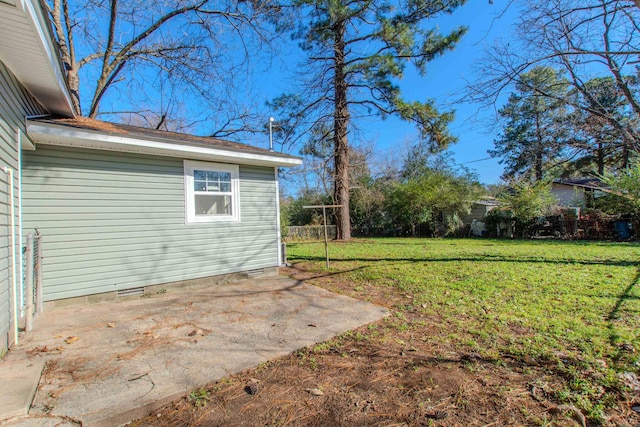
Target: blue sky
[(443, 82), (446, 79)]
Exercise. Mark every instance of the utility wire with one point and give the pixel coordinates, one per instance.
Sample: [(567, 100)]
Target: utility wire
[(477, 160)]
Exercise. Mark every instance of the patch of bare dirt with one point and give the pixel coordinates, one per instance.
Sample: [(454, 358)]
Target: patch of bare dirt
[(383, 375)]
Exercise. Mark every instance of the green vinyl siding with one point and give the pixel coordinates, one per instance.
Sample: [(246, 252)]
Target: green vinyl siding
[(15, 104), (113, 221)]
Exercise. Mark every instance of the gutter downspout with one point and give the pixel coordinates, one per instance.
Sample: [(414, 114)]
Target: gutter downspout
[(9, 173), (20, 260), (278, 231)]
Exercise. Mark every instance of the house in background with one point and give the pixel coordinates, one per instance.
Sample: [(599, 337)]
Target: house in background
[(479, 209), (473, 221), (577, 192), (121, 208)]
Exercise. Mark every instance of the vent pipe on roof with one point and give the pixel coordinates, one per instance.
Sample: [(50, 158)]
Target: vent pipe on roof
[(271, 119)]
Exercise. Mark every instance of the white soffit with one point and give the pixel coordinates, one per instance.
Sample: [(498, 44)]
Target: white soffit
[(27, 48), (46, 133)]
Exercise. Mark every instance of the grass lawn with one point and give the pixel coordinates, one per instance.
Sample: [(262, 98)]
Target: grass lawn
[(573, 304), (482, 333)]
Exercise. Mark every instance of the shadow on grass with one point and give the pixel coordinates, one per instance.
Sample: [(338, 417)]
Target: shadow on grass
[(322, 274), (483, 258), (615, 312), (425, 241), (508, 360)]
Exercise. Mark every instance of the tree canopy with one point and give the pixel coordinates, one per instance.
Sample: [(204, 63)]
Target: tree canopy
[(534, 132), (592, 47), (598, 147), (420, 199)]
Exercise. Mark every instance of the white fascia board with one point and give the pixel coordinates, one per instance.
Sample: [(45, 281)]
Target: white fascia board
[(45, 133), (39, 22)]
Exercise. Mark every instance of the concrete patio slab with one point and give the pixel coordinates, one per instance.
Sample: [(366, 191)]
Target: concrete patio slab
[(109, 363), (20, 374)]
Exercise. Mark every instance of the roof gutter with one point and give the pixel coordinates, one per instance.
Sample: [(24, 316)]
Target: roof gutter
[(50, 134)]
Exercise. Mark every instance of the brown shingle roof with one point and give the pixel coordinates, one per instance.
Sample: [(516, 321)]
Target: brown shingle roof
[(155, 134)]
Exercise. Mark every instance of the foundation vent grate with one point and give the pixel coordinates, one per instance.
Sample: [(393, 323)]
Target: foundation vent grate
[(131, 292)]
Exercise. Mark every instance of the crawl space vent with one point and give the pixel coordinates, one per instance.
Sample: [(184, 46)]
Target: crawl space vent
[(131, 292)]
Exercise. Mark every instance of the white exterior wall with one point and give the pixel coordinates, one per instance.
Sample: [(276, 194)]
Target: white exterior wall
[(568, 195)]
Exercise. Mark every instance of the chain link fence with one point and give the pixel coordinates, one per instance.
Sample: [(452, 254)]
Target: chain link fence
[(553, 227), (308, 233), (32, 298)]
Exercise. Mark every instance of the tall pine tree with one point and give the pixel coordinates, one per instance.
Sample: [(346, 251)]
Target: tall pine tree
[(356, 53), (534, 133)]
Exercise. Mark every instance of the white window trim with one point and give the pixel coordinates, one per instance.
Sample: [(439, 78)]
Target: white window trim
[(189, 196)]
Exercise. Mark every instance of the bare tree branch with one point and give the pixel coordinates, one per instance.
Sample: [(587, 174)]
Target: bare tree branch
[(132, 47)]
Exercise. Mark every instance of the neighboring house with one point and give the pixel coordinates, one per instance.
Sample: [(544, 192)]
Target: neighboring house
[(479, 209), (120, 208), (577, 192)]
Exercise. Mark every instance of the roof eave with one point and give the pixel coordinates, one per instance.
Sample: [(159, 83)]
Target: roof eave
[(46, 133), (34, 58), (573, 184)]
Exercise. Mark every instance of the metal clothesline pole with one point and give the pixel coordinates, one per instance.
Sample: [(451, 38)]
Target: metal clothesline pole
[(324, 219)]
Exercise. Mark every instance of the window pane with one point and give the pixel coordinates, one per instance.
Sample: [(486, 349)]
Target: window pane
[(199, 175), (213, 186), (209, 204), (225, 176), (225, 187), (212, 176), (200, 186)]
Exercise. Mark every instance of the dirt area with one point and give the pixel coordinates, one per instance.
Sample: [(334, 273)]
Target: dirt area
[(385, 374)]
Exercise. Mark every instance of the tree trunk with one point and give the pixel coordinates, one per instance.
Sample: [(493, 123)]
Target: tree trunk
[(625, 157), (108, 74), (601, 159), (74, 87), (341, 143), (539, 150), (538, 167), (67, 50)]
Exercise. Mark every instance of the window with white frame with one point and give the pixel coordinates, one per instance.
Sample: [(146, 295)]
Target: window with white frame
[(211, 192)]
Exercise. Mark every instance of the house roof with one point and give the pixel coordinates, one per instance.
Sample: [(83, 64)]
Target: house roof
[(594, 183), (488, 201), (28, 49), (95, 134)]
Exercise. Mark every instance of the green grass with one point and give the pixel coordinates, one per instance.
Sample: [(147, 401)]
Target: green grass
[(550, 300)]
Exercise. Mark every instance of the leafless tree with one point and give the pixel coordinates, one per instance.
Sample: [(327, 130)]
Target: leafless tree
[(157, 58), (583, 40)]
